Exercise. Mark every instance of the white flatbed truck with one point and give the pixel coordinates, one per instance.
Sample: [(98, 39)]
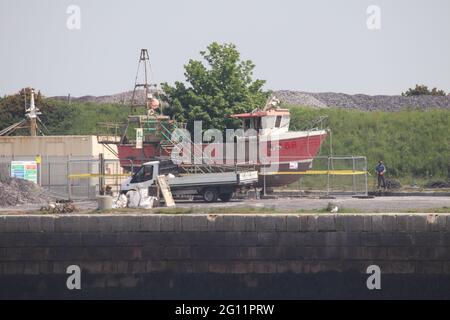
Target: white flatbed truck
[(210, 186)]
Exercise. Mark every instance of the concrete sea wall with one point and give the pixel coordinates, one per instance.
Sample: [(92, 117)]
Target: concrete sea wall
[(225, 256)]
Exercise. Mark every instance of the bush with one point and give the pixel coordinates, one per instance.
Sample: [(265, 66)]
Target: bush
[(420, 90)]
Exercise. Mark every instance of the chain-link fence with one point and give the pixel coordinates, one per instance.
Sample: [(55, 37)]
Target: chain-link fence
[(78, 178), (337, 175), (88, 178), (72, 177)]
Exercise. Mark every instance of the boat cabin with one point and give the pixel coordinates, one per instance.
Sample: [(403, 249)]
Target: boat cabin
[(265, 122)]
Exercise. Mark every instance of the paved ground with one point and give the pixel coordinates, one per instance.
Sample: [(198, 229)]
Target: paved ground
[(82, 205), (380, 204)]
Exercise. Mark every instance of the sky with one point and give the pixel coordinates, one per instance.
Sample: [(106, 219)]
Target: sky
[(306, 45)]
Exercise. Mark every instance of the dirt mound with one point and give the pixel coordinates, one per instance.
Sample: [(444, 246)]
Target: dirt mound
[(362, 101), (318, 100), (18, 191)]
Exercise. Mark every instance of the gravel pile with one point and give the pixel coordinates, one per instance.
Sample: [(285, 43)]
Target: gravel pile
[(318, 100), (120, 98), (362, 101), (18, 191)]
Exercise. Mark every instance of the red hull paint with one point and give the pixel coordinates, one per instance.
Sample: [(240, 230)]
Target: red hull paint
[(300, 148), (130, 156), (290, 150)]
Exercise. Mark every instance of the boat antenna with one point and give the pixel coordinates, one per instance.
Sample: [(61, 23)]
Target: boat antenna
[(271, 103)]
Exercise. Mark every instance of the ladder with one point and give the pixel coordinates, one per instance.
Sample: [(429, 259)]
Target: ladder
[(165, 190)]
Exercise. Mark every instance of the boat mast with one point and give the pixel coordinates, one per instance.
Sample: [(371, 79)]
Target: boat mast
[(143, 67), (32, 114), (144, 63)]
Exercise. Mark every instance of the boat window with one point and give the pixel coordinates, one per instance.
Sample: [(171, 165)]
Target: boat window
[(278, 122)]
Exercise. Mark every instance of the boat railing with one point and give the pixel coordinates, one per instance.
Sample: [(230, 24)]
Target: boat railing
[(109, 132)]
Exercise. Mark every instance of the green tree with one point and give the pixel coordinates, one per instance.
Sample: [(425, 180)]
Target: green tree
[(12, 108), (421, 89), (216, 88)]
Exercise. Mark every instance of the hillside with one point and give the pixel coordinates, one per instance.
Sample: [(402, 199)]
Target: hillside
[(413, 143), (119, 98), (318, 100), (362, 101)]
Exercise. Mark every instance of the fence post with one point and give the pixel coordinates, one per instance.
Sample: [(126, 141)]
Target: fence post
[(353, 175), (264, 181), (101, 171), (365, 175), (69, 188), (88, 186), (328, 176), (49, 175)]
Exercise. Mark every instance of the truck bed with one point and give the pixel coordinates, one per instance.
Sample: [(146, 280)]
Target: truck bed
[(221, 178)]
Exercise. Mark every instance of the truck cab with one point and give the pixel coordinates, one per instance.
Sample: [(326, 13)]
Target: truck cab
[(143, 178)]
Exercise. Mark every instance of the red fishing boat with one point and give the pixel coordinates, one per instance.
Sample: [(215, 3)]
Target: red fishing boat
[(265, 141), (268, 145)]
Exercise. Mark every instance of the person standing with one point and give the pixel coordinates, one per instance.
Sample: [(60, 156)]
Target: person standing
[(381, 170)]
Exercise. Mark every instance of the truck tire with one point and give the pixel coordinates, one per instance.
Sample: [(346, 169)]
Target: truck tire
[(210, 195), (225, 197)]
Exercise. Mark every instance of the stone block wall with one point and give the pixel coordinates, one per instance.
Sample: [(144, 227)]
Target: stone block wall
[(225, 256)]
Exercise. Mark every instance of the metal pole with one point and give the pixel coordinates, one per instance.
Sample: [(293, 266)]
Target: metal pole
[(49, 175), (264, 178), (365, 175), (89, 171), (353, 175), (69, 188), (328, 177), (101, 170), (331, 143), (40, 170)]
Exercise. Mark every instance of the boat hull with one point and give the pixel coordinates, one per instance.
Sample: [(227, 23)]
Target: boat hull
[(289, 155)]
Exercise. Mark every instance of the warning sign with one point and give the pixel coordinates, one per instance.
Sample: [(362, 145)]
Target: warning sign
[(27, 170)]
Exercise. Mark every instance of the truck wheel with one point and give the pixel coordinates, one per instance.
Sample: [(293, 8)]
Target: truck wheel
[(225, 197), (210, 195)]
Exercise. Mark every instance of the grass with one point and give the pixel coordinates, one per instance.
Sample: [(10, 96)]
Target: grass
[(414, 144), (208, 210), (238, 210), (262, 210), (431, 210)]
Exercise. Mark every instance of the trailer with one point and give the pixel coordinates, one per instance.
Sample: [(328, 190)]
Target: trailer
[(209, 186)]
